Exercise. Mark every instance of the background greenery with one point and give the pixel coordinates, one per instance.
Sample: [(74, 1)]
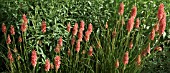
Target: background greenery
[(59, 12)]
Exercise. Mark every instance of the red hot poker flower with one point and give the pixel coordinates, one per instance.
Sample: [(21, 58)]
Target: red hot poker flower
[(131, 45), (126, 58), (90, 53), (23, 27), (130, 24), (34, 58), (121, 8), (78, 46), (134, 11), (57, 49), (43, 26), (3, 28), (90, 27), (160, 11), (10, 55), (12, 30), (60, 41), (24, 17), (87, 35), (82, 25), (80, 35), (138, 60), (20, 39), (156, 27), (72, 41), (137, 23), (75, 29), (8, 41), (57, 62), (162, 24), (47, 65), (68, 27), (152, 34), (117, 63)]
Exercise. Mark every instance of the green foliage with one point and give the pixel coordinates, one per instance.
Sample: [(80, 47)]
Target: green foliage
[(57, 13)]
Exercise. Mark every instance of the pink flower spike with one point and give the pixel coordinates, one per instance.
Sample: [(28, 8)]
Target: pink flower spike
[(82, 25), (90, 27), (156, 27), (152, 34), (131, 45), (57, 62), (24, 18), (126, 58), (12, 30), (43, 26), (138, 60), (47, 65), (134, 12), (87, 35), (68, 27), (90, 53), (10, 55), (8, 41), (75, 29), (78, 46), (137, 23), (72, 41), (19, 39), (130, 24), (162, 24), (160, 11), (57, 49), (23, 27), (117, 63), (80, 35), (34, 58), (121, 8), (3, 28), (60, 41)]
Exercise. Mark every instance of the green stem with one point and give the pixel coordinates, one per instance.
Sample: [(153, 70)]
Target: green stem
[(11, 67), (34, 70), (97, 62), (56, 71), (21, 48), (124, 67), (13, 41)]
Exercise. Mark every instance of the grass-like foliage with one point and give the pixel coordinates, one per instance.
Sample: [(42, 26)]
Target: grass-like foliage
[(72, 39)]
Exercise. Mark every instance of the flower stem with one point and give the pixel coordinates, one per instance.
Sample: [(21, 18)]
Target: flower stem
[(33, 70), (11, 67)]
